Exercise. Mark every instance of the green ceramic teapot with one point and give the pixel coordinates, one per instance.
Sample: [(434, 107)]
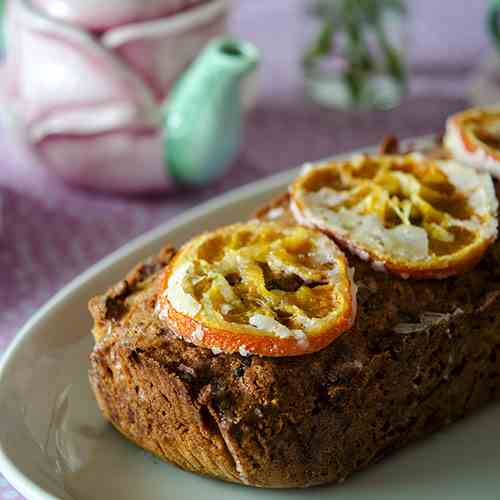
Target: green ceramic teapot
[(120, 112)]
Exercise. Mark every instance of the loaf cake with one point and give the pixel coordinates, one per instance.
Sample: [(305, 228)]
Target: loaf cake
[(420, 354)]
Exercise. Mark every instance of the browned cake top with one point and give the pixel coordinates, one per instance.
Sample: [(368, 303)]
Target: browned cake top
[(392, 312)]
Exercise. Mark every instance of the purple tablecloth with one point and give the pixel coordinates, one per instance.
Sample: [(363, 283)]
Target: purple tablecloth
[(49, 232)]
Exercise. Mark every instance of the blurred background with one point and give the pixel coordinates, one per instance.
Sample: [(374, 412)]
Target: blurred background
[(51, 231)]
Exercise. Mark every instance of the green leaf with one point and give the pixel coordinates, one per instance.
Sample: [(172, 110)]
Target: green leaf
[(393, 62), (322, 46)]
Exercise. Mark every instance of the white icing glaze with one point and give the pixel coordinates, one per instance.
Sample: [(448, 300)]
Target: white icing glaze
[(267, 324), (301, 337), (407, 242), (366, 233), (197, 335), (225, 308), (275, 213), (243, 351), (378, 265), (426, 320), (177, 295), (324, 252), (163, 313), (306, 168), (328, 197)]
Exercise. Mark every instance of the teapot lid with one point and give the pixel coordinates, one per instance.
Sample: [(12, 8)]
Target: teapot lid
[(98, 15)]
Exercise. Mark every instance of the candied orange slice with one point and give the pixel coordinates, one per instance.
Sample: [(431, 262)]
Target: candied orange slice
[(411, 215), (259, 288), (473, 137)]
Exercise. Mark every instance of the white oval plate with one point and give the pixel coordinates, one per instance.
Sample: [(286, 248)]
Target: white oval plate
[(55, 444)]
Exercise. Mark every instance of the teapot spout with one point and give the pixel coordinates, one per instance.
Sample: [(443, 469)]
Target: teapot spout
[(204, 115), (236, 57)]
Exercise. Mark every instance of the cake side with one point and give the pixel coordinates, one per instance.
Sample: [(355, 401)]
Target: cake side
[(421, 355)]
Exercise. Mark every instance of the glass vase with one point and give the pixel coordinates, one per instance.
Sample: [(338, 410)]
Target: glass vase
[(355, 53)]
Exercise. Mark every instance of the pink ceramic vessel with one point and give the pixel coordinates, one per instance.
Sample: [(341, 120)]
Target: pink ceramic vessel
[(99, 15), (89, 107)]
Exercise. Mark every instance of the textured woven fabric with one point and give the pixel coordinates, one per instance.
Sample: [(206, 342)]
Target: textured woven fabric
[(49, 233)]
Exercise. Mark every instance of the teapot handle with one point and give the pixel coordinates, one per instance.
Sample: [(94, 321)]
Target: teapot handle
[(493, 21)]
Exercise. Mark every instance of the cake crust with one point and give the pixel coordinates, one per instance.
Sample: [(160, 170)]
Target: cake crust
[(421, 354)]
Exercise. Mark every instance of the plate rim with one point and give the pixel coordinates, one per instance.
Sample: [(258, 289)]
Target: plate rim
[(16, 478)]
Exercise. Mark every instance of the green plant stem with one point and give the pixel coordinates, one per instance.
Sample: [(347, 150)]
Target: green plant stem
[(394, 64), (352, 17), (321, 47), (360, 59)]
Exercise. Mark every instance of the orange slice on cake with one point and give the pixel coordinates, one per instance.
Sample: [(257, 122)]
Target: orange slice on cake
[(408, 214), (473, 137), (259, 288)]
